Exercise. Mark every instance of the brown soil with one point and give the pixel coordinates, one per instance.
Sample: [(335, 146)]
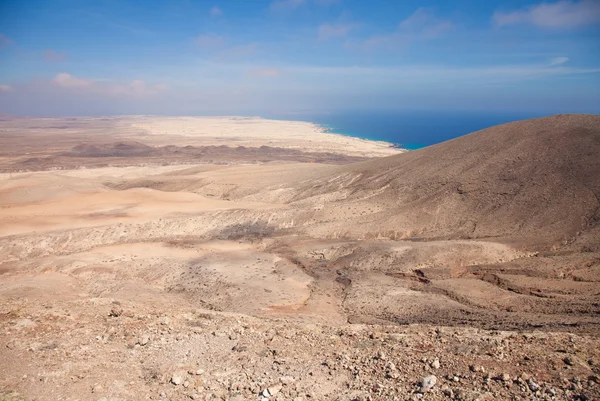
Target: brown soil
[(476, 260)]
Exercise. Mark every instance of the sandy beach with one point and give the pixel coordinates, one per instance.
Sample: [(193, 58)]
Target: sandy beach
[(256, 132)]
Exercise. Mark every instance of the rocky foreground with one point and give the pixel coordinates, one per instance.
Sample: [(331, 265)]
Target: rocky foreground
[(107, 350), (265, 272)]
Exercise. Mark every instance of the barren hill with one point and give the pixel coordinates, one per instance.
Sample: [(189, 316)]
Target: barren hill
[(537, 180), (167, 258)]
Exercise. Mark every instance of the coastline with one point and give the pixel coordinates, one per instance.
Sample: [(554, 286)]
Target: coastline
[(253, 132), (332, 128), (329, 130), (336, 131)]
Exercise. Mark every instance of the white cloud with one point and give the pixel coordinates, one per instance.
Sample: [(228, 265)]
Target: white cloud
[(245, 87), (421, 25), (215, 11), (426, 76), (285, 5), (5, 88), (265, 72), (136, 88), (328, 31), (210, 40), (558, 61), (562, 14), (68, 81)]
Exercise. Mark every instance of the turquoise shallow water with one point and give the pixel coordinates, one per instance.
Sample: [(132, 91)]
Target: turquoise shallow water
[(409, 130)]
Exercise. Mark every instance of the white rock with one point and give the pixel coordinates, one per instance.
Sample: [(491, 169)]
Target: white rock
[(145, 339), (273, 390), (176, 379), (287, 380), (196, 372), (435, 364), (428, 382)]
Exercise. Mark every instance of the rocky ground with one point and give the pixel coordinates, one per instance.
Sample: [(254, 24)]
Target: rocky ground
[(100, 349), (279, 273)]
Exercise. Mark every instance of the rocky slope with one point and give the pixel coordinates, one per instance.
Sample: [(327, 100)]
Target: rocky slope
[(533, 182)]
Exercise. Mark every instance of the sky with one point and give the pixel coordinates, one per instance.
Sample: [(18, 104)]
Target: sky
[(202, 57)]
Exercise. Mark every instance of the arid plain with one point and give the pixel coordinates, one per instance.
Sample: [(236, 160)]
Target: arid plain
[(231, 258)]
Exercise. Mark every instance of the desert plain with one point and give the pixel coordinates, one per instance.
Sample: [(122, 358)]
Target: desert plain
[(229, 258)]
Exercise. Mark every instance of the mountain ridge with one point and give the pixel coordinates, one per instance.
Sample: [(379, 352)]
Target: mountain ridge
[(533, 179)]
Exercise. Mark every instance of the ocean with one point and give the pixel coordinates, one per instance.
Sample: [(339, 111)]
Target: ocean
[(408, 130)]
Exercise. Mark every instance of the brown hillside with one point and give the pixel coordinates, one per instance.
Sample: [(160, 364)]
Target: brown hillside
[(537, 179)]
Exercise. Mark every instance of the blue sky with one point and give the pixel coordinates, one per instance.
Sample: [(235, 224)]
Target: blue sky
[(253, 56)]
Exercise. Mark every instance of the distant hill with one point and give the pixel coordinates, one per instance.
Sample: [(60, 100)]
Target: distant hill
[(117, 149), (536, 179)]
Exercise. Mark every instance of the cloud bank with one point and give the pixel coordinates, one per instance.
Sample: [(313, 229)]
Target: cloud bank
[(563, 14)]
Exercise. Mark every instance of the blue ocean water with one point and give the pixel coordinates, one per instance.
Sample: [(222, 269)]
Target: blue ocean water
[(409, 130)]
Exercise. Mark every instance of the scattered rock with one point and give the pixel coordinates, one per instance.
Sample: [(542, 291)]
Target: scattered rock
[(116, 311), (143, 340), (428, 383), (272, 390), (533, 386), (447, 391), (435, 364), (196, 372), (504, 377), (176, 379), (287, 380)]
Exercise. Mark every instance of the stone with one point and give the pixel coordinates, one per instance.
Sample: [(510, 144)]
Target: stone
[(524, 376), (435, 364), (504, 377), (447, 391), (143, 340), (116, 311), (533, 386), (287, 380), (196, 372), (176, 379), (274, 390), (428, 383)]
